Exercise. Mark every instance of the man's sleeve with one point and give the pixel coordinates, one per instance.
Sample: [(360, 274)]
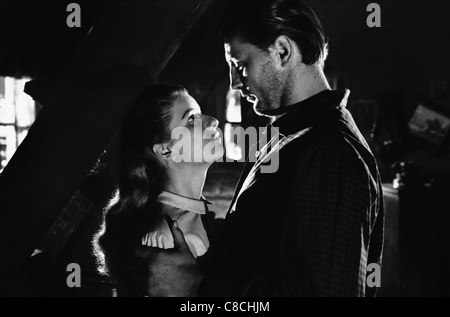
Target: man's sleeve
[(332, 205)]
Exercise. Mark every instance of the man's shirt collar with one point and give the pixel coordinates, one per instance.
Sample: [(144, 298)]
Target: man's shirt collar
[(309, 112)]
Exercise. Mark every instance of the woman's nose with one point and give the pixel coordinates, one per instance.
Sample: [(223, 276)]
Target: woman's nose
[(210, 121)]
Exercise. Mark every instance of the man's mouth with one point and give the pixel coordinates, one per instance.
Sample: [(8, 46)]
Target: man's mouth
[(251, 98), (245, 92), (248, 96)]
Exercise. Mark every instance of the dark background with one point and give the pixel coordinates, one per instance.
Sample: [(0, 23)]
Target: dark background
[(389, 70)]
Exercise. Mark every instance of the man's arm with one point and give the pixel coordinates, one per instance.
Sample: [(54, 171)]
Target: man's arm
[(333, 200)]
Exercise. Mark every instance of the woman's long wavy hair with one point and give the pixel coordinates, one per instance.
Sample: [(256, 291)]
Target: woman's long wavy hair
[(141, 176)]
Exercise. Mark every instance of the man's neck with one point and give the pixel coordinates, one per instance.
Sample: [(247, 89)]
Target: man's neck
[(307, 82)]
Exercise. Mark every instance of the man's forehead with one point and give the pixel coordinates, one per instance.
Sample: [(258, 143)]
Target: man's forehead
[(230, 51), (236, 48)]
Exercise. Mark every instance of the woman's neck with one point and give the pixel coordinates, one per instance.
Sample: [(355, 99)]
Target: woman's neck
[(188, 181)]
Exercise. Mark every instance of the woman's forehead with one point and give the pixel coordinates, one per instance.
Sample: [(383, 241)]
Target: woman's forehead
[(186, 101), (182, 106)]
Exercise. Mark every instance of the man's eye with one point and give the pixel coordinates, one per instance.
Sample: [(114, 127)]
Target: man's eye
[(242, 69), (192, 117), (238, 66)]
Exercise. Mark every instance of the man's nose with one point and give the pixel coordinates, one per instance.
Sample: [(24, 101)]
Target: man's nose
[(235, 79)]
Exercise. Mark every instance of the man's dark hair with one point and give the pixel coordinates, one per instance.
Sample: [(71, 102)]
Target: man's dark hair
[(260, 22)]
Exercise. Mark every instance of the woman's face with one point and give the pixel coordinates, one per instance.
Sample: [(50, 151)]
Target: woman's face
[(195, 138)]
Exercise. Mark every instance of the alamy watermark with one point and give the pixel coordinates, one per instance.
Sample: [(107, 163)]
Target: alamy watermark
[(74, 278), (374, 18), (260, 142), (373, 278), (74, 18)]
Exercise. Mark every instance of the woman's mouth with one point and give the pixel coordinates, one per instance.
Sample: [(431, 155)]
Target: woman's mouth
[(216, 135), (212, 134)]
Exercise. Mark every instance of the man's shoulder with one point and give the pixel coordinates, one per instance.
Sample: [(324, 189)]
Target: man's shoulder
[(324, 148), (319, 145), (317, 139)]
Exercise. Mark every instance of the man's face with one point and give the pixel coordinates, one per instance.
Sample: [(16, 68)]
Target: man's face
[(254, 73)]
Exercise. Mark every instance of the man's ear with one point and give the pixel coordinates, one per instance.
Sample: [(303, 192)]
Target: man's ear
[(284, 50), (162, 151)]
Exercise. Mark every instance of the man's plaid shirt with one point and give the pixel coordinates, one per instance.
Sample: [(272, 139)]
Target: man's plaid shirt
[(312, 227)]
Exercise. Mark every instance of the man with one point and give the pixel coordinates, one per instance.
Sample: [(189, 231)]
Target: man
[(312, 227)]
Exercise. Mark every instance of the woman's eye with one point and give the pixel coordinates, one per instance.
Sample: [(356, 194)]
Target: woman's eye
[(194, 116)]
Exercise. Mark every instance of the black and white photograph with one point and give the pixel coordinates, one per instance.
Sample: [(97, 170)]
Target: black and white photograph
[(241, 150)]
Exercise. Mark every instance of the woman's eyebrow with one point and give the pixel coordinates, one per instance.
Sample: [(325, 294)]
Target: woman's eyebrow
[(186, 112)]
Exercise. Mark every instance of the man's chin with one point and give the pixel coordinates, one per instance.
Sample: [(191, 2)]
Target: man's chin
[(258, 108), (255, 102)]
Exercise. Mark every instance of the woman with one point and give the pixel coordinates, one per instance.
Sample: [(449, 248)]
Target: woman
[(160, 174)]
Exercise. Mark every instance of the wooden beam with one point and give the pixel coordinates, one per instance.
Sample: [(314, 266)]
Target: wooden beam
[(199, 63), (83, 108)]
